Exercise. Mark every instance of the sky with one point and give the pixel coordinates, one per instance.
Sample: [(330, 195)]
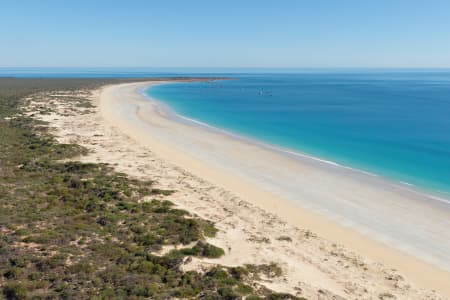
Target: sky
[(245, 33)]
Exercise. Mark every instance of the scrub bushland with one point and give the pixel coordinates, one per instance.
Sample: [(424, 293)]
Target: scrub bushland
[(77, 230)]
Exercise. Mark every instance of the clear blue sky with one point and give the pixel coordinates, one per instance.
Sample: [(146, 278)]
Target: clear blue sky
[(284, 33)]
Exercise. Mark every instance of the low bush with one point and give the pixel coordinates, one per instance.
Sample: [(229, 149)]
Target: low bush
[(77, 230), (14, 291)]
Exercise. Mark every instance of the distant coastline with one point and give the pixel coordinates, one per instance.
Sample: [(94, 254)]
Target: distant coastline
[(137, 72)]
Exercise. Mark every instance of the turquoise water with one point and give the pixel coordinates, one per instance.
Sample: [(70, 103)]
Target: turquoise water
[(395, 124)]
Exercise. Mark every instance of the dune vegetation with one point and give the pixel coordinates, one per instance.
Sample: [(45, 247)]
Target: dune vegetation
[(77, 230)]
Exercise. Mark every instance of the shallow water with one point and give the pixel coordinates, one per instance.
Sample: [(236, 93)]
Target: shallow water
[(395, 124)]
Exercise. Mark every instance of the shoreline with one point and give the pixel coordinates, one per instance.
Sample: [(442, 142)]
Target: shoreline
[(116, 113), (421, 192), (410, 195)]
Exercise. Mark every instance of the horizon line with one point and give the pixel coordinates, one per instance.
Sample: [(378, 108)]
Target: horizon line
[(224, 68)]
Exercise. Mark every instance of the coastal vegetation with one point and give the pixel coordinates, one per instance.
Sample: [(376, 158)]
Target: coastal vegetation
[(73, 230)]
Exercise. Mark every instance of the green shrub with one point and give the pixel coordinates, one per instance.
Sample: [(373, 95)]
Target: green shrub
[(280, 296), (208, 250), (227, 293), (12, 273), (239, 272), (19, 262), (201, 249), (14, 291), (244, 289), (209, 230), (35, 276)]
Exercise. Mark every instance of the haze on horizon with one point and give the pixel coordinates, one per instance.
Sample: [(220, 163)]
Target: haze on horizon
[(280, 34)]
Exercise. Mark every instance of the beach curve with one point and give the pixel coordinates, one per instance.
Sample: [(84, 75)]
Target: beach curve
[(203, 153)]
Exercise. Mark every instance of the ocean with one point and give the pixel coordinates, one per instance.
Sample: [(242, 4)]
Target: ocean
[(392, 123), (395, 124)]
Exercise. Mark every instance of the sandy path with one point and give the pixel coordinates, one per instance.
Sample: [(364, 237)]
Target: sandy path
[(256, 225)]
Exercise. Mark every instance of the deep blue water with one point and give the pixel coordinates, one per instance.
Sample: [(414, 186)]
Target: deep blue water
[(395, 124)]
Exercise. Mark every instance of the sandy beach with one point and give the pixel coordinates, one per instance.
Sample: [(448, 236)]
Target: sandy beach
[(334, 231)]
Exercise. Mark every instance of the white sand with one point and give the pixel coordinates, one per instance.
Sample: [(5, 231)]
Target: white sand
[(255, 195)]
